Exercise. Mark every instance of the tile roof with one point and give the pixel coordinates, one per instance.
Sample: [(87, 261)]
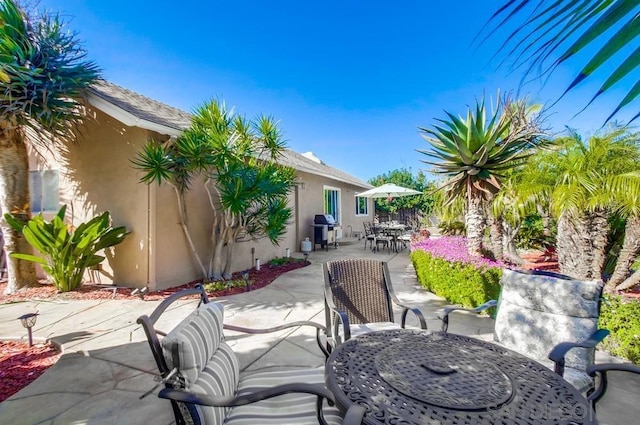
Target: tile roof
[(302, 163), (142, 107), (145, 109)]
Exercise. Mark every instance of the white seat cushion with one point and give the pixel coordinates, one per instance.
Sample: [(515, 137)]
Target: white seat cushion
[(297, 408), (363, 328)]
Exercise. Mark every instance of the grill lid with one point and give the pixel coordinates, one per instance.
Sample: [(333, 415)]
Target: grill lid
[(324, 219)]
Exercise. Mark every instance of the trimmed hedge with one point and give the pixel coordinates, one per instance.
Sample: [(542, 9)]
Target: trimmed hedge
[(460, 283), (622, 317), (470, 286)]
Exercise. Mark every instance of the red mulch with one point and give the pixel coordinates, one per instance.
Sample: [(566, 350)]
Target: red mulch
[(540, 261), (259, 279), (21, 364)]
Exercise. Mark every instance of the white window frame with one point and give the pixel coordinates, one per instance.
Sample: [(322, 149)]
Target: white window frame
[(337, 215), (44, 190), (366, 206)]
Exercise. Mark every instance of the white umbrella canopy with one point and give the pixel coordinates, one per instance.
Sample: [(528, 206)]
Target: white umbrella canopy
[(388, 190)]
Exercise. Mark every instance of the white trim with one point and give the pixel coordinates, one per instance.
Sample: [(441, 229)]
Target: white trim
[(128, 118), (339, 199), (357, 198)]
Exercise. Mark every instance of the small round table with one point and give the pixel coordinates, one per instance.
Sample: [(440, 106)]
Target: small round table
[(415, 377)]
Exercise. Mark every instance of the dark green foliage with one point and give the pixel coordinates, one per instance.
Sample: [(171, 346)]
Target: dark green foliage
[(405, 178), (281, 261), (459, 283), (221, 285), (531, 234), (622, 317), (452, 228), (44, 70)]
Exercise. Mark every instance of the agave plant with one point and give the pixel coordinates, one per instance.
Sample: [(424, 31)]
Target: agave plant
[(476, 151), (67, 252)]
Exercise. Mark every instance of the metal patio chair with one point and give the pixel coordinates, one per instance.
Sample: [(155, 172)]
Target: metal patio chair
[(202, 379), (548, 316), (359, 298), (612, 405)]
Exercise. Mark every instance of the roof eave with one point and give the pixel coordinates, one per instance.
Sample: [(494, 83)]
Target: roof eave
[(330, 176), (128, 118)]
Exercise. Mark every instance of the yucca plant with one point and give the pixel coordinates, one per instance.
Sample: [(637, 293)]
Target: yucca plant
[(67, 252), (248, 190), (475, 152)]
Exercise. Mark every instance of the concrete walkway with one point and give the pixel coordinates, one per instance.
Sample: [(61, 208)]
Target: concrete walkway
[(107, 364)]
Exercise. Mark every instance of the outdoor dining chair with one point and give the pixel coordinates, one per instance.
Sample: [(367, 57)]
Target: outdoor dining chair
[(202, 378), (617, 379), (548, 316), (369, 236), (359, 298)]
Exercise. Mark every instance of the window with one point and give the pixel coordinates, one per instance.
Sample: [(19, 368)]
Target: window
[(45, 190), (362, 205), (332, 202)]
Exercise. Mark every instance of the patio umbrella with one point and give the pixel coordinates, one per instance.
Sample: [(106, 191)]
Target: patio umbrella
[(388, 190)]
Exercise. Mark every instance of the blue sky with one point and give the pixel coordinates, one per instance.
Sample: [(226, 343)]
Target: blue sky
[(349, 80)]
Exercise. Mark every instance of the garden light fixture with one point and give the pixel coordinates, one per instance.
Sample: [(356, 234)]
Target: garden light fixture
[(28, 321), (245, 277)]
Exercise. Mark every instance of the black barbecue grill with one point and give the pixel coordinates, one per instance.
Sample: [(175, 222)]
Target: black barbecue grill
[(322, 225)]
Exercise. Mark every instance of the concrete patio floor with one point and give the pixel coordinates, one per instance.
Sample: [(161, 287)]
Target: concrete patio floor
[(107, 364)]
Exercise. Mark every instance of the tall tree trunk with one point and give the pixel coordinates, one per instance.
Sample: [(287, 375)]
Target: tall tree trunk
[(509, 244), (581, 244), (546, 220), (599, 236), (220, 230), (185, 230), (475, 223), (572, 242), (630, 282), (14, 199), (495, 235), (628, 254)]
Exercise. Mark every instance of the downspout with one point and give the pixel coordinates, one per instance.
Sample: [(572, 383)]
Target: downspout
[(148, 284), (296, 243)]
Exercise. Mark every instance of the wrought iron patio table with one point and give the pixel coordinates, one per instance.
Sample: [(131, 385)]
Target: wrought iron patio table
[(415, 377)]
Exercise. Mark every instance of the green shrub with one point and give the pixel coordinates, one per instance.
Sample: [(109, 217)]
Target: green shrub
[(531, 234), (464, 284), (281, 261), (452, 227), (622, 317), (221, 285), (67, 252)]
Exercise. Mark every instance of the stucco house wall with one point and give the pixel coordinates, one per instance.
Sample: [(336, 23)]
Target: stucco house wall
[(96, 175)]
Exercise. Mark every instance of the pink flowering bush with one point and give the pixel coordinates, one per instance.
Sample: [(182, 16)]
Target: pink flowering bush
[(453, 248), (444, 267)]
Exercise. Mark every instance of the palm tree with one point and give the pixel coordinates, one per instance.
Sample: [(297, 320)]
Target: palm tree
[(475, 152), (586, 183), (627, 190), (552, 32), (247, 187), (44, 72)]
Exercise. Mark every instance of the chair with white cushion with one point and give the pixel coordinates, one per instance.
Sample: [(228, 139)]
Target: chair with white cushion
[(202, 379), (359, 298), (549, 317)]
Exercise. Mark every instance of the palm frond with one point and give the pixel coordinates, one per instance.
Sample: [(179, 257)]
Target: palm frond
[(551, 32), (45, 71)]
